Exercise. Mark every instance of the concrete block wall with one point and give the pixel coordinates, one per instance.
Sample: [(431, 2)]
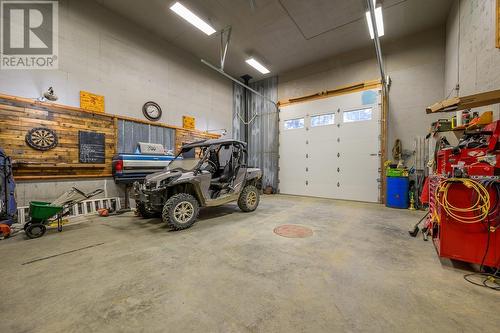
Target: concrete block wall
[(472, 60), (415, 64), (47, 191), (104, 53)]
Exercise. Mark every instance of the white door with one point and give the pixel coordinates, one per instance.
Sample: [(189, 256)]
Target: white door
[(330, 147)]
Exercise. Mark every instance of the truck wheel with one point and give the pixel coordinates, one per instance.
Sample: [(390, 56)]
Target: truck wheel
[(249, 199), (145, 213), (35, 230), (180, 211)]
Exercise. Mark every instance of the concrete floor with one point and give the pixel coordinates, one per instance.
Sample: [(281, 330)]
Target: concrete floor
[(359, 272)]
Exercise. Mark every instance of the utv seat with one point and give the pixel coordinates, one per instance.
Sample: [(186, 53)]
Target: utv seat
[(225, 177)]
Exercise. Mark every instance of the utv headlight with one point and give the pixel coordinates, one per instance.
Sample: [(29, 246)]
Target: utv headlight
[(150, 185)]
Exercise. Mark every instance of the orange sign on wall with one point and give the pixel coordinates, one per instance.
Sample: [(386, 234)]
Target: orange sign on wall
[(91, 102), (188, 122)]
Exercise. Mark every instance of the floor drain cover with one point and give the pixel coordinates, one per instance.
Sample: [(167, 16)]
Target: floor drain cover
[(293, 231)]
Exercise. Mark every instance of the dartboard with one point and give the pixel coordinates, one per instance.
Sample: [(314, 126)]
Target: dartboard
[(41, 138)]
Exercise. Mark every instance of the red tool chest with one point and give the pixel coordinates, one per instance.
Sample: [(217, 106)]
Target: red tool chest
[(463, 241)]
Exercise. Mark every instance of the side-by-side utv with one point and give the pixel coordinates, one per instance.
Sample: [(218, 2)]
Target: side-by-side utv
[(204, 174)]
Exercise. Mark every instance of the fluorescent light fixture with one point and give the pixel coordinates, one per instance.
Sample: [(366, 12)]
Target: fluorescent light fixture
[(192, 18), (257, 65), (378, 19)]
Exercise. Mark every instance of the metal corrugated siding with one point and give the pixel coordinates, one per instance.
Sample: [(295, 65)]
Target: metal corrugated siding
[(263, 130), (130, 133)]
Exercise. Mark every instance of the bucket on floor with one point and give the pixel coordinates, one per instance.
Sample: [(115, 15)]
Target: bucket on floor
[(397, 192)]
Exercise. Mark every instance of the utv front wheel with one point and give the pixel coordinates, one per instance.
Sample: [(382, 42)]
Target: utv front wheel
[(180, 211), (144, 212), (249, 199)]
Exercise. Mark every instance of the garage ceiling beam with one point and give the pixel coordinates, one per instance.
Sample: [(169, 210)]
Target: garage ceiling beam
[(238, 82), (376, 41), (225, 38)]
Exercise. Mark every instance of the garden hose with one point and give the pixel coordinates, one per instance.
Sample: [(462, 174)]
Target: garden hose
[(480, 209)]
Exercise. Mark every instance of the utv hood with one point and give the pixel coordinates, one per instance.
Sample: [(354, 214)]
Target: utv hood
[(162, 175)]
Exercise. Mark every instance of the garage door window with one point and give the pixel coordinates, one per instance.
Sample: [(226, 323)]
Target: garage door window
[(323, 120), (357, 115), (294, 123)]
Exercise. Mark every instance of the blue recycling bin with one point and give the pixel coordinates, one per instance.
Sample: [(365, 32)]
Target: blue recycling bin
[(397, 192)]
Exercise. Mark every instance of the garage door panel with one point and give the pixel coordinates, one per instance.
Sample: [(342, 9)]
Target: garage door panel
[(323, 148), (359, 155), (359, 182), (341, 159), (292, 148), (292, 173)]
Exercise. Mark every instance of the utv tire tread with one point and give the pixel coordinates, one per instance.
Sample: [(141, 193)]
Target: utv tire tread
[(174, 201), (242, 200)]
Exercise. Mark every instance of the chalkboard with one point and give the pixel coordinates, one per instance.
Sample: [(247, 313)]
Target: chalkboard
[(92, 147)]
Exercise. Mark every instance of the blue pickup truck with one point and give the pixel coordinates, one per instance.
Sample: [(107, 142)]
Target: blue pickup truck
[(128, 168)]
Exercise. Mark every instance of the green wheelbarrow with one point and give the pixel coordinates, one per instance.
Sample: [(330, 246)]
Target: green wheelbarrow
[(43, 213)]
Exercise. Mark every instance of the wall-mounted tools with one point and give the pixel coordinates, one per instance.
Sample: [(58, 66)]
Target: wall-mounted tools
[(477, 154)]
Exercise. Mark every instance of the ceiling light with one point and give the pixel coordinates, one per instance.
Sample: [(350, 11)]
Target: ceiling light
[(378, 19), (257, 65), (192, 18)]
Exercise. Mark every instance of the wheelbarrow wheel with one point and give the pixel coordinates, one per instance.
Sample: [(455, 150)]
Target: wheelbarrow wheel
[(35, 230)]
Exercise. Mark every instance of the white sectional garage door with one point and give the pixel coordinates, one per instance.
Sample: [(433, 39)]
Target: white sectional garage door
[(330, 147)]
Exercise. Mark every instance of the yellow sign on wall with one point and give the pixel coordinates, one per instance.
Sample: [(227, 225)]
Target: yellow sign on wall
[(188, 122), (91, 102)]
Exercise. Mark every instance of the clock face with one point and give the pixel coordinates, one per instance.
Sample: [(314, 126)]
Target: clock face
[(151, 111)]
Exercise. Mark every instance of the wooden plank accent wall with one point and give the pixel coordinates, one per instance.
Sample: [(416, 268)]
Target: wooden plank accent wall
[(188, 136), (497, 24), (19, 115), (17, 119)]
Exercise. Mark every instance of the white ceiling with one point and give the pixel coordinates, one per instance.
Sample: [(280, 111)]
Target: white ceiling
[(282, 34)]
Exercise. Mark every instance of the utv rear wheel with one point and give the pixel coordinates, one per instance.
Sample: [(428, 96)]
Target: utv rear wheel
[(146, 213), (249, 199), (180, 211)]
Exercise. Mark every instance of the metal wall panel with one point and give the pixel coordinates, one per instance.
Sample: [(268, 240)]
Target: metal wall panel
[(130, 133), (262, 130)]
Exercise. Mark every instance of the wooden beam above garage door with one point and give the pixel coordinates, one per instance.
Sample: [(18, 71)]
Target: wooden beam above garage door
[(350, 88)]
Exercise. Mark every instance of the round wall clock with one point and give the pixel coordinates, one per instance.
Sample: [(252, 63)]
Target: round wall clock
[(151, 111), (41, 138)]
